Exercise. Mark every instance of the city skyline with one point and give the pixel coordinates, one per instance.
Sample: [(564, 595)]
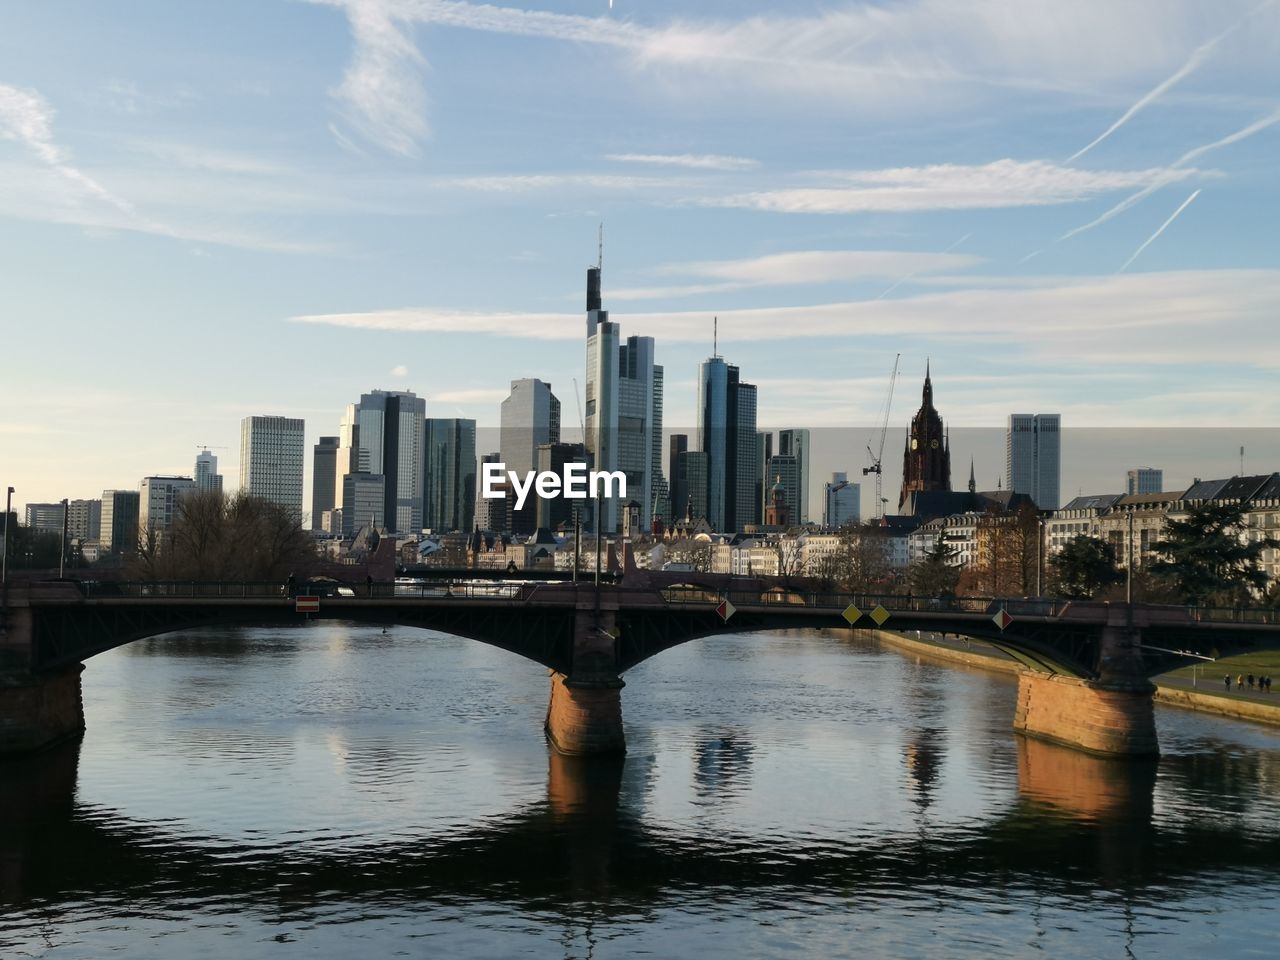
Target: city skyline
[(921, 190)]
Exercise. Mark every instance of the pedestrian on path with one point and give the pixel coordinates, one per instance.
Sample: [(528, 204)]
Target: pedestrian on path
[(1250, 680), (1239, 682), (1227, 681)]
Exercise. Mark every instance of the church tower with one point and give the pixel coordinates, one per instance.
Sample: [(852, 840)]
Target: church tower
[(926, 462)]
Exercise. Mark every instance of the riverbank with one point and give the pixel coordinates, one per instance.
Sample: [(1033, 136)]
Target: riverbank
[(1173, 692)]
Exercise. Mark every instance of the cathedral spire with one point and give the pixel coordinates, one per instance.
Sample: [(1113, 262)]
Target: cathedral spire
[(928, 385), (973, 483)]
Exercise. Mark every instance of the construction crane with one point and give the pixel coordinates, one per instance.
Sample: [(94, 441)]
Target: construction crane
[(877, 466), (582, 424)]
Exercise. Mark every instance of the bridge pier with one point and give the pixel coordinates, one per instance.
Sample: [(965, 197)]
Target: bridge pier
[(585, 716), (39, 710), (1105, 718)]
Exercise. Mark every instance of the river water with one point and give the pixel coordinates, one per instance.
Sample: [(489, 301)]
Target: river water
[(334, 791)]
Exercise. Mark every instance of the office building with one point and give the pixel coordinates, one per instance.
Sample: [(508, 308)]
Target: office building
[(118, 523), (159, 500), (1144, 480), (449, 485), (44, 518), (1033, 457), (601, 410), (727, 434), (795, 443), (841, 502), (363, 502), (84, 519), (272, 450), (324, 472), (555, 512), (530, 418), (678, 486), (383, 435), (208, 479), (639, 404), (692, 468)]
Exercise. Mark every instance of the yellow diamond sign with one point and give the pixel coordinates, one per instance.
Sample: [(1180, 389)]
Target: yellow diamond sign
[(852, 614), (879, 615)]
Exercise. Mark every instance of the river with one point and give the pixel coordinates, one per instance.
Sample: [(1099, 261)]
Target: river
[(337, 791)]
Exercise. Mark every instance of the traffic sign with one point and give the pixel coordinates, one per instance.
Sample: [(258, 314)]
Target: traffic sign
[(879, 615), (1002, 619), (852, 614), (726, 610), (307, 604)]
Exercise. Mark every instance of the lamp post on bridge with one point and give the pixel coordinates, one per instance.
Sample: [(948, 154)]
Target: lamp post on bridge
[(1128, 562), (62, 553), (4, 564)]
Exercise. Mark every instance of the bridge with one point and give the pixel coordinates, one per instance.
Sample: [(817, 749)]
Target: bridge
[(1086, 683)]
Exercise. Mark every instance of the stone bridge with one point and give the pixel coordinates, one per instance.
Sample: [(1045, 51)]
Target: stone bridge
[(1086, 682)]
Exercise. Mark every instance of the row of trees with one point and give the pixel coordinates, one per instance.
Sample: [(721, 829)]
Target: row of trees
[(1206, 557)]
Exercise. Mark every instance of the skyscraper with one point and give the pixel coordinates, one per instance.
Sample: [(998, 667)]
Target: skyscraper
[(530, 417), (601, 416), (926, 461), (1144, 480), (158, 500), (1033, 457), (727, 434), (118, 525), (271, 455), (208, 479), (640, 424), (841, 502), (84, 519), (363, 502), (383, 435), (324, 472), (449, 488), (679, 492), (795, 443)]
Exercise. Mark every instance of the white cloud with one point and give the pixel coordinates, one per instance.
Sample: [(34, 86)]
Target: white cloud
[(1185, 317), (696, 161), (399, 370), (999, 184), (805, 266)]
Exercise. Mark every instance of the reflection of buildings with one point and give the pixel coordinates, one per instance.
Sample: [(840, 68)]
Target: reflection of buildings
[(924, 762)]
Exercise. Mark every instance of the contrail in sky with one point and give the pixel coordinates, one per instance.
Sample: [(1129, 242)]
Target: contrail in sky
[(901, 280), (1258, 125), (1163, 227), (1198, 56)]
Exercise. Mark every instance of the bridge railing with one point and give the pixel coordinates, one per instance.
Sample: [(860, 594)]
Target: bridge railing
[(283, 590), (1260, 615), (866, 602)]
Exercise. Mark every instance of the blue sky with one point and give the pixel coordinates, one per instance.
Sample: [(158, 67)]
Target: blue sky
[(271, 206)]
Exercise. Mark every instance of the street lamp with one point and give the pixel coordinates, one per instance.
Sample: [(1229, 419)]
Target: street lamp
[(62, 554), (4, 563)]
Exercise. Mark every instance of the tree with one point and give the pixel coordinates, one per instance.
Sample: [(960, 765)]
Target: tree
[(1007, 552), (1085, 566), (1208, 556), (861, 563), (935, 574)]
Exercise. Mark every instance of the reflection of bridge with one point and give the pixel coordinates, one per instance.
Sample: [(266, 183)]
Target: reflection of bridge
[(1086, 683), (588, 843)]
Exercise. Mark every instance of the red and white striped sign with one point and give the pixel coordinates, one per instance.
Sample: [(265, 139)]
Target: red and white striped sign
[(307, 604)]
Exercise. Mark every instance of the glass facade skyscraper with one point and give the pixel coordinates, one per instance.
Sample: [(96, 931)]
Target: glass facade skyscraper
[(1033, 447), (271, 455), (449, 487)]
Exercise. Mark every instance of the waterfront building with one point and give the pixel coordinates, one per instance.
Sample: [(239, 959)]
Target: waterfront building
[(530, 417), (842, 502), (208, 479), (271, 456), (324, 472), (1144, 480), (158, 500), (118, 523), (449, 487), (926, 461), (1078, 518), (727, 435), (1033, 446)]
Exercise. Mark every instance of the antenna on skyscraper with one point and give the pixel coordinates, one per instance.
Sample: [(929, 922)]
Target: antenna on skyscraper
[(715, 337), (600, 251)]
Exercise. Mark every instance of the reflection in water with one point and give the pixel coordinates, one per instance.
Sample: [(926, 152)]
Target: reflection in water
[(734, 826)]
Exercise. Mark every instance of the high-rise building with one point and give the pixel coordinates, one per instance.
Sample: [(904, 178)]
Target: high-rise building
[(553, 512), (530, 417), (158, 501), (44, 517), (692, 466), (348, 458), (727, 434), (640, 384), (449, 486), (1033, 457), (1144, 480), (208, 479), (118, 525), (491, 512), (842, 501), (271, 456), (383, 434), (794, 442), (324, 472), (84, 519), (764, 479), (601, 415), (926, 461), (679, 486), (363, 502)]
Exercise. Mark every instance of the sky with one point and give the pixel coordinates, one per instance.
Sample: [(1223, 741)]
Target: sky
[(209, 211)]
